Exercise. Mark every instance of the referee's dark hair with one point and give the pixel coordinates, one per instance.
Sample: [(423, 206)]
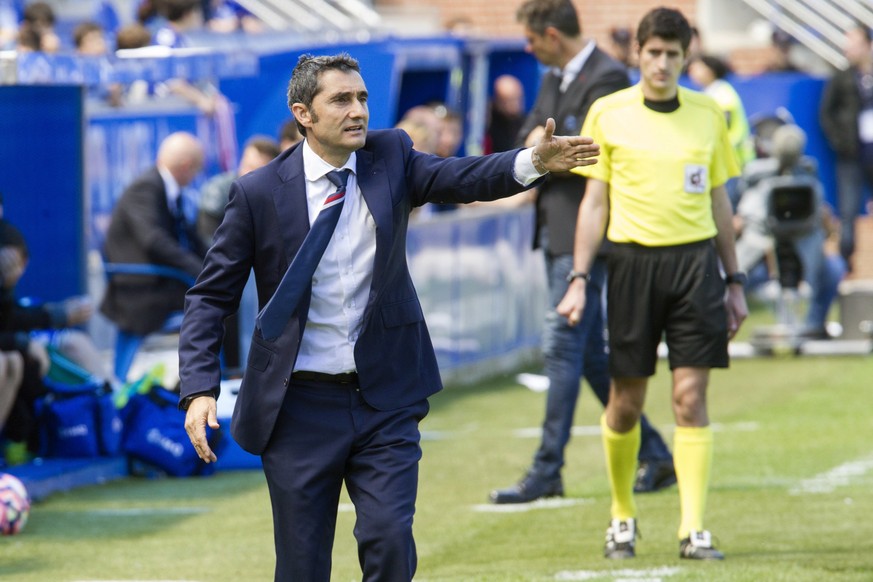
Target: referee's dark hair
[(666, 23)]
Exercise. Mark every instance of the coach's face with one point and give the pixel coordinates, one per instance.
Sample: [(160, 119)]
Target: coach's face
[(336, 123), (661, 63)]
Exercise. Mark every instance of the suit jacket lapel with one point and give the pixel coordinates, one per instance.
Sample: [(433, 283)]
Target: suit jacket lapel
[(373, 182), (291, 209)]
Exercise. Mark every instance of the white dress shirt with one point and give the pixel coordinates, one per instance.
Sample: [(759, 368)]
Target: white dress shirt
[(571, 70), (341, 283)]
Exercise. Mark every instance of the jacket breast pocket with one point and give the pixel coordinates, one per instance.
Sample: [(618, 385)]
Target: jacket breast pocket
[(259, 357), (402, 313)]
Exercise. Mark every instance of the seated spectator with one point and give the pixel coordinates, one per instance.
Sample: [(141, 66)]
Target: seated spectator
[(451, 131), (506, 114), (226, 16), (10, 14), (26, 360), (289, 134), (258, 151), (11, 375), (153, 223), (28, 40), (41, 17), (423, 126), (132, 36), (90, 42)]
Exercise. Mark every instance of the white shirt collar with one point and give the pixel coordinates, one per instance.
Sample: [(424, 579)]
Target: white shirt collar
[(572, 68), (170, 185), (316, 168)]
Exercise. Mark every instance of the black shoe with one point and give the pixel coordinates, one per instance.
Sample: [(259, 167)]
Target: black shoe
[(698, 546), (531, 488), (654, 475), (621, 539)]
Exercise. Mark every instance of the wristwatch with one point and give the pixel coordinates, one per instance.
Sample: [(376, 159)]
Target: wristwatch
[(738, 278), (578, 275), (186, 402)]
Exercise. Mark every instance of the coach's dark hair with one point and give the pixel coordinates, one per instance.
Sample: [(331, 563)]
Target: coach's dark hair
[(541, 14), (304, 86), (666, 23)]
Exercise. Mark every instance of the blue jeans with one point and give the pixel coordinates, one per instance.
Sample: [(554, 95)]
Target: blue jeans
[(852, 177), (571, 353), (831, 271)]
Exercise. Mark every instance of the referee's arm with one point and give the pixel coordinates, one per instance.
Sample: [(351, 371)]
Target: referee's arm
[(590, 226)]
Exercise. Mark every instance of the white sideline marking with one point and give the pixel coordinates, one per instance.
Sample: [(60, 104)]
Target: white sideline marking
[(533, 505), (133, 511), (624, 575), (594, 430), (839, 476)]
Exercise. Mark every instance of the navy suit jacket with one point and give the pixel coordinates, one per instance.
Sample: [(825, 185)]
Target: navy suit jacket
[(265, 223)]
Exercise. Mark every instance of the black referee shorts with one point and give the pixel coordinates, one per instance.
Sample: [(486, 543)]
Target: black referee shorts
[(674, 292)]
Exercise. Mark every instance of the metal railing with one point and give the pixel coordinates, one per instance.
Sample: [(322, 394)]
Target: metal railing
[(820, 25), (312, 16)]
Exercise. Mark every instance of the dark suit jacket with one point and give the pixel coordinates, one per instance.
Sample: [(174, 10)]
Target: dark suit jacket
[(838, 113), (142, 230), (265, 223), (559, 197)]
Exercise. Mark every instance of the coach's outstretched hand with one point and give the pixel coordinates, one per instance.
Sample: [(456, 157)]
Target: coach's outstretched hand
[(563, 153)]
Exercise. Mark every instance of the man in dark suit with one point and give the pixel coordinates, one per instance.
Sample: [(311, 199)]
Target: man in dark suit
[(152, 224), (338, 394), (846, 118), (580, 74)]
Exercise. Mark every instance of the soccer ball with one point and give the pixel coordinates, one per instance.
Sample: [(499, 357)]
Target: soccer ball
[(14, 505)]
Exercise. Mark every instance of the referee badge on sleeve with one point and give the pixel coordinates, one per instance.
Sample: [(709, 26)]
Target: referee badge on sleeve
[(695, 179)]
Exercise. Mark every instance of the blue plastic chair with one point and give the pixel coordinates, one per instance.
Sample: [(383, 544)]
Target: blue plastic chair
[(128, 344)]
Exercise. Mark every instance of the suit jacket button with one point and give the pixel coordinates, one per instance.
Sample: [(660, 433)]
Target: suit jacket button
[(285, 381)]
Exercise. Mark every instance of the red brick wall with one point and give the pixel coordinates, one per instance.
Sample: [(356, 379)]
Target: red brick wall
[(497, 17)]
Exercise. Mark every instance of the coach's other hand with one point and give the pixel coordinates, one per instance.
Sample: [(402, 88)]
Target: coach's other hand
[(554, 153), (201, 411)]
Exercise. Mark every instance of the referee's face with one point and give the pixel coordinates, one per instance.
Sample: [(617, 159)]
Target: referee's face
[(661, 63)]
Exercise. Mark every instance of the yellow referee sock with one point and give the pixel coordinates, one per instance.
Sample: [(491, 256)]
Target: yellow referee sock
[(621, 467), (692, 457)]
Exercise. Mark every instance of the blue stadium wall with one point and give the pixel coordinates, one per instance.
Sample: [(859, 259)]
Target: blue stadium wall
[(64, 164)]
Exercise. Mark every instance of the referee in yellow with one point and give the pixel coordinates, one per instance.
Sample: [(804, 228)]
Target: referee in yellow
[(664, 159)]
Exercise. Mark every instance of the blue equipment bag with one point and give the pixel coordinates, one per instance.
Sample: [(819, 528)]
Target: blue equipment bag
[(77, 417), (154, 433), (78, 421)]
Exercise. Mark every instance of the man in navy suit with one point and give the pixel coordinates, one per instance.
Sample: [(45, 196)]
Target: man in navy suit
[(338, 395)]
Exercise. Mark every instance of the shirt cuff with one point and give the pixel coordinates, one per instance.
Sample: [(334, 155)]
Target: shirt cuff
[(523, 169)]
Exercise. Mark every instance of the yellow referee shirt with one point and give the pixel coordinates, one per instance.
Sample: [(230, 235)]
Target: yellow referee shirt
[(660, 167)]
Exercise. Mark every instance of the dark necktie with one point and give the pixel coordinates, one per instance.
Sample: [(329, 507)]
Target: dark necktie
[(181, 224), (275, 315)]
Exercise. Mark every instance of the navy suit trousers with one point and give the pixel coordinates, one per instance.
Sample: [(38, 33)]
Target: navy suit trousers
[(327, 434)]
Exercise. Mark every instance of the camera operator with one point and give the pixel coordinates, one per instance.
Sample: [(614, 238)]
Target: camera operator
[(782, 209)]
